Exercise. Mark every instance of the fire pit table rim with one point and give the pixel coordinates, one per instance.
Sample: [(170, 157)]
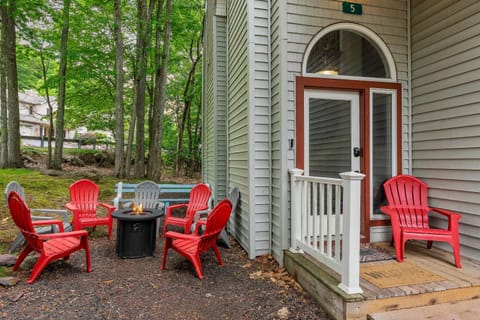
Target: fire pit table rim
[(129, 215)]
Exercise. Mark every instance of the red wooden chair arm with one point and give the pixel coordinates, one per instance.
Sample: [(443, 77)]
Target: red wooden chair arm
[(49, 222), (109, 207), (393, 214), (390, 211), (453, 218), (198, 226), (447, 213), (175, 206), (70, 206), (182, 236), (77, 234)]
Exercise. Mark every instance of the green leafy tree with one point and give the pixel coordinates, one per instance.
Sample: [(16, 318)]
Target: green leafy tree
[(169, 68)]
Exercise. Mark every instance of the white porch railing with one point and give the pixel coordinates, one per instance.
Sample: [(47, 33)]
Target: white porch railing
[(325, 223)]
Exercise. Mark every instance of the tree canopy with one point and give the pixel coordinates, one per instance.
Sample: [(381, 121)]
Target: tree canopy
[(171, 41)]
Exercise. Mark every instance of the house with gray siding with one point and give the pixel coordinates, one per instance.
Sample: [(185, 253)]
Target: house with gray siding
[(376, 87)]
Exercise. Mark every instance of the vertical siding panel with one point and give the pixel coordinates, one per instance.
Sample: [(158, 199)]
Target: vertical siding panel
[(445, 109), (208, 148), (260, 126), (214, 143), (237, 115), (282, 115), (220, 187)]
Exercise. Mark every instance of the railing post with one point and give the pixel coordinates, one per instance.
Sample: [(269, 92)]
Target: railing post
[(350, 282), (296, 209)]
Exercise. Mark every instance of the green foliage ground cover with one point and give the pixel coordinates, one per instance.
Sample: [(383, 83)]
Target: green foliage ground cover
[(42, 191)]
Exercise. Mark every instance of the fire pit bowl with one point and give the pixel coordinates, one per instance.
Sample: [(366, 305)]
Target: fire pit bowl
[(136, 232)]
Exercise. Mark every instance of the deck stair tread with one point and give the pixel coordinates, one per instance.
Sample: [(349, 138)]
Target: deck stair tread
[(460, 310)]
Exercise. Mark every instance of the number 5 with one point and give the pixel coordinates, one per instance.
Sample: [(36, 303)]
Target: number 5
[(352, 8)]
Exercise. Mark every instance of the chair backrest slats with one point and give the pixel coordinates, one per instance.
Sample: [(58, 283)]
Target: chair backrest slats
[(216, 221), (14, 186), (147, 193), (21, 216), (199, 197), (409, 196), (84, 194)]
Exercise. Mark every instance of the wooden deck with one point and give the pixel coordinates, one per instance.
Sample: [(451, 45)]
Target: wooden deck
[(456, 284)]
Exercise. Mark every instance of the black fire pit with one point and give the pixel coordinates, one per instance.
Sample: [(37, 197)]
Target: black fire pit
[(136, 232)]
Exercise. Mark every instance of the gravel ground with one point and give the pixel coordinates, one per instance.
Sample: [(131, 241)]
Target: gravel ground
[(137, 288)]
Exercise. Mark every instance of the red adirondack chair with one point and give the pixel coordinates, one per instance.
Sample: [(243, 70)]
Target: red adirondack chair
[(84, 204), (409, 213), (191, 246), (50, 246), (199, 197)]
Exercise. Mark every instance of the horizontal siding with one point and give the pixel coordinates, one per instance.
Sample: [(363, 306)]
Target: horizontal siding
[(387, 18), (446, 109), (221, 8)]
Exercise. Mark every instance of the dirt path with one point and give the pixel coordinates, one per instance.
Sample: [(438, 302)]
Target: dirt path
[(138, 289)]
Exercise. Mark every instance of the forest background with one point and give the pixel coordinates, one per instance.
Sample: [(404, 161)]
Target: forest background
[(129, 66)]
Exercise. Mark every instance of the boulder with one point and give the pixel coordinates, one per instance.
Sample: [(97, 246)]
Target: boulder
[(8, 281), (7, 259), (88, 158)]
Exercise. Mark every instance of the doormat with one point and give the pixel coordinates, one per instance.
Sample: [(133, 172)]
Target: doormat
[(396, 274), (369, 253)]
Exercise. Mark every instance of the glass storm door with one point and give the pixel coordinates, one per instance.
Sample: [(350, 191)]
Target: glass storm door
[(332, 134), (383, 146)]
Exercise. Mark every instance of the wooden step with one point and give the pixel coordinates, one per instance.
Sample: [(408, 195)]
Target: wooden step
[(460, 310)]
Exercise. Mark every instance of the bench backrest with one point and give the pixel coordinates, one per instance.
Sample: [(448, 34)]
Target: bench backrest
[(168, 193)]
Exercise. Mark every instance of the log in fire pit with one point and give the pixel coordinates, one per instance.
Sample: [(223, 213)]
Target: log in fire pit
[(136, 231)]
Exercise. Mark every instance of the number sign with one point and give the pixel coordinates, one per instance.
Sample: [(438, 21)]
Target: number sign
[(352, 8)]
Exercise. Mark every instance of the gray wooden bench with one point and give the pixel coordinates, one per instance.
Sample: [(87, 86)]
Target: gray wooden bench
[(170, 193)]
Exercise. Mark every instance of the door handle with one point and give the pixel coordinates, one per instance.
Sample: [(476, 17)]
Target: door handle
[(356, 152)]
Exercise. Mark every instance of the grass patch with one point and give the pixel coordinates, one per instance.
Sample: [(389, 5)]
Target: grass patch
[(42, 191), (5, 271)]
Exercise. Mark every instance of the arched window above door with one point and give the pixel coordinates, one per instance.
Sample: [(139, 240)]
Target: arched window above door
[(348, 50)]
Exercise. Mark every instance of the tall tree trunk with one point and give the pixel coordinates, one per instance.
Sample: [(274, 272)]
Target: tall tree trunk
[(14, 157), (3, 93), (198, 139), (187, 98), (50, 108), (131, 134), (144, 15), (155, 159), (62, 73), (119, 129)]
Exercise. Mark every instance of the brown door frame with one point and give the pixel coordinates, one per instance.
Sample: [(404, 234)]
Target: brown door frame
[(363, 88)]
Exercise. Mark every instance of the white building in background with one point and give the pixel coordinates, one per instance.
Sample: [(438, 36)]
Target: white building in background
[(34, 113), (34, 117)]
